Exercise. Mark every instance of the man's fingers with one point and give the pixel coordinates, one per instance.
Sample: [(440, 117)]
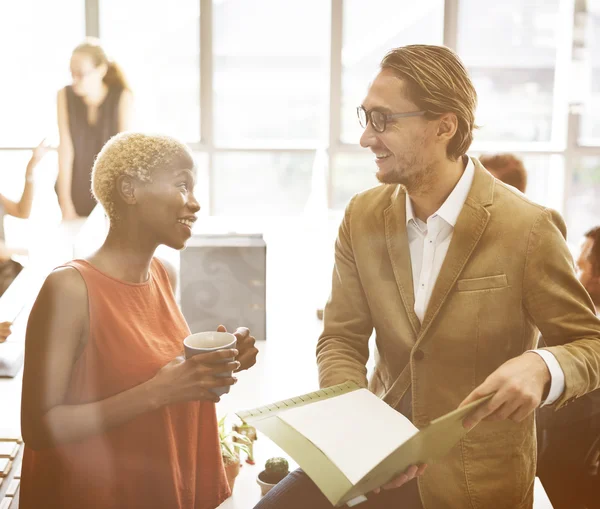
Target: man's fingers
[(396, 483), (411, 472), (504, 411), (520, 414), (482, 411), (479, 392)]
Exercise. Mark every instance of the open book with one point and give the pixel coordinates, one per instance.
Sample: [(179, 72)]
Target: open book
[(350, 442)]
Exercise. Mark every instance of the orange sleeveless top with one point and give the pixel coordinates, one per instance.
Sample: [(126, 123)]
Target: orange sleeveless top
[(168, 458)]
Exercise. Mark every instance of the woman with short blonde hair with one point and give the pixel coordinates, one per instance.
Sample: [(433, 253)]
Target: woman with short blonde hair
[(112, 415)]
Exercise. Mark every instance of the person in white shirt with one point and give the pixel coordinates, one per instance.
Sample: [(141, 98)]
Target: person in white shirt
[(457, 274)]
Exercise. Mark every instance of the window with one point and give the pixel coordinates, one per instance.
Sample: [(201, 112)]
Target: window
[(202, 187), (158, 48), (36, 40), (583, 203), (271, 65), (590, 117), (370, 30), (262, 184), (510, 50), (353, 172)]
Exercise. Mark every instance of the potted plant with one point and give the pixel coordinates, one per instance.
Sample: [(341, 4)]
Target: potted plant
[(230, 450), (250, 433), (275, 470)]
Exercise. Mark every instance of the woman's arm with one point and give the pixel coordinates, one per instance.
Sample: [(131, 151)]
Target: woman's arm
[(65, 158), (56, 332), (22, 208), (125, 110)]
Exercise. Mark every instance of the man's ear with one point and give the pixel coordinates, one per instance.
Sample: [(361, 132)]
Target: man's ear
[(447, 127), (126, 187)]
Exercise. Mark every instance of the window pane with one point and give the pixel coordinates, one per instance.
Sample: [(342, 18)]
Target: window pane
[(371, 29), (510, 50), (202, 187), (158, 48), (590, 117), (583, 204), (36, 40), (271, 63), (352, 173), (545, 180), (260, 184)]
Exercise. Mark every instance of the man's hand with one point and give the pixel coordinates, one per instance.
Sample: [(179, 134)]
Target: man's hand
[(245, 345), (519, 386), (4, 331), (410, 473)]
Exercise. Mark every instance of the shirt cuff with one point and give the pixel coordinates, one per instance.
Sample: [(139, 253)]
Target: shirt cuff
[(557, 376)]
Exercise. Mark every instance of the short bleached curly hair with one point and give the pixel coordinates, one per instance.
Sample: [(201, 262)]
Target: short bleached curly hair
[(139, 156)]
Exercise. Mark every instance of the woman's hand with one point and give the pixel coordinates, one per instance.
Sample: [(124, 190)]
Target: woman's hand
[(191, 379), (38, 153), (245, 345)]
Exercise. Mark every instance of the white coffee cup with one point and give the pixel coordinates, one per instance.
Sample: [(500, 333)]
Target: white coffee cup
[(211, 341)]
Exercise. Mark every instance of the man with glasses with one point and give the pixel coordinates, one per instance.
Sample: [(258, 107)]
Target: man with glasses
[(456, 273)]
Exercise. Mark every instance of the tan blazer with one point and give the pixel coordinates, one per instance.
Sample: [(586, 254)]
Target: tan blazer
[(508, 273)]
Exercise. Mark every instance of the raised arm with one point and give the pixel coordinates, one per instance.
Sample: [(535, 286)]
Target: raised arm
[(343, 348), (22, 208), (65, 158), (56, 334)]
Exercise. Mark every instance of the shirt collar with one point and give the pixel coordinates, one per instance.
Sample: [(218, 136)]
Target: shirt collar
[(451, 208)]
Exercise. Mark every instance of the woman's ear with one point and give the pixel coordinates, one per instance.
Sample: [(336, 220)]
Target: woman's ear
[(126, 187)]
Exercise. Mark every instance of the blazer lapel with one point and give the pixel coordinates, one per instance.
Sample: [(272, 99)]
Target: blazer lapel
[(470, 225), (397, 245)]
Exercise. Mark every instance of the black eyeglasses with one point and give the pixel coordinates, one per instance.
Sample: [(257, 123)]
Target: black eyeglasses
[(379, 120)]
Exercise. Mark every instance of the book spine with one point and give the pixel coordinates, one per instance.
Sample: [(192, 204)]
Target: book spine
[(311, 397)]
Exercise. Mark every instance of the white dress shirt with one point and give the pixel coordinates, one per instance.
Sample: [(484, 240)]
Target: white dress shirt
[(428, 244)]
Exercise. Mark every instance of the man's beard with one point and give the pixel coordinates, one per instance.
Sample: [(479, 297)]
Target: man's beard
[(418, 177)]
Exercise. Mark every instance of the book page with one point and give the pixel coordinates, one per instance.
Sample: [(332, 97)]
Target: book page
[(355, 431)]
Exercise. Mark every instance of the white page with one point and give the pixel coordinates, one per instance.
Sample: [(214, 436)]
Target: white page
[(356, 431)]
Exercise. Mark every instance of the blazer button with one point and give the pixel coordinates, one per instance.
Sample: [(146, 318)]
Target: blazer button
[(419, 355)]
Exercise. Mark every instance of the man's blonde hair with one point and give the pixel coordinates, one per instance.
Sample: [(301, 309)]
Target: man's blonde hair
[(438, 83), (136, 155)]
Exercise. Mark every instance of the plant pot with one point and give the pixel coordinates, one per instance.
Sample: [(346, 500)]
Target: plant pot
[(232, 469), (265, 487)]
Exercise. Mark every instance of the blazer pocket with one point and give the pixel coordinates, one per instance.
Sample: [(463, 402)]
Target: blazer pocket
[(482, 283)]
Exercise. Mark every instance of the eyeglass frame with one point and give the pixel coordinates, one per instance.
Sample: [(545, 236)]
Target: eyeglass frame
[(386, 117)]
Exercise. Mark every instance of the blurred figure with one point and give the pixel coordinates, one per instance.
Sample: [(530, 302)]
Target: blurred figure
[(569, 456), (507, 168), (9, 268), (94, 108)]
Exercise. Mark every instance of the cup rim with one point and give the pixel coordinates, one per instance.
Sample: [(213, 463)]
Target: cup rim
[(203, 348)]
